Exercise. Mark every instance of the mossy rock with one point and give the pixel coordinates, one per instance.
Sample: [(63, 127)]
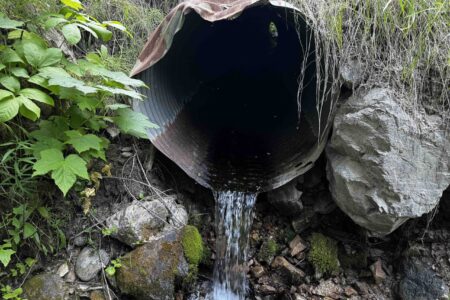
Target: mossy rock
[(152, 270), (192, 245), (323, 254), (45, 286), (268, 250), (356, 260)]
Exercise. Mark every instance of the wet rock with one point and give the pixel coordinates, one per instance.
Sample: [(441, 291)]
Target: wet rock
[(146, 220), (289, 272), (377, 271), (45, 286), (90, 262), (286, 199), (150, 271), (419, 282), (305, 220), (63, 269), (297, 245), (80, 241), (267, 289), (385, 166), (327, 288), (257, 271)]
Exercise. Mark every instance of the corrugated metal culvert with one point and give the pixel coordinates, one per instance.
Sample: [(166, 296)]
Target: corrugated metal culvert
[(224, 82)]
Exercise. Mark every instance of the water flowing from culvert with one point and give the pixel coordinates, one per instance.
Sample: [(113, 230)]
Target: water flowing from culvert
[(234, 216)]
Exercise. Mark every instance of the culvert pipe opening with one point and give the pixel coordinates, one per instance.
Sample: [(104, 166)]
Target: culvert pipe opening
[(225, 94)]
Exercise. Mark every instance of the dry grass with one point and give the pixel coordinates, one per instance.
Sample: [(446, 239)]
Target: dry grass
[(402, 44)]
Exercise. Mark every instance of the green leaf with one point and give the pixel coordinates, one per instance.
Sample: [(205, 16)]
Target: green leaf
[(7, 23), (5, 256), (110, 271), (64, 171), (88, 30), (19, 72), (71, 33), (28, 230), (75, 4), (5, 94), (10, 82), (40, 57), (132, 122), (51, 159), (28, 108), (65, 176), (9, 108), (53, 21), (37, 95), (82, 142), (117, 106), (2, 66), (119, 77), (101, 31), (43, 211), (10, 56), (53, 128), (117, 91), (59, 77), (45, 144)]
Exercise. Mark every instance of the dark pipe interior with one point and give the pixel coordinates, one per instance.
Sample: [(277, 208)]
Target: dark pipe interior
[(225, 96)]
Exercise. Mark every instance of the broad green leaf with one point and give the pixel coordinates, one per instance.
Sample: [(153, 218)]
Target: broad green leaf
[(51, 159), (115, 24), (88, 30), (7, 23), (87, 103), (28, 108), (75, 4), (117, 91), (119, 77), (65, 175), (101, 31), (5, 94), (45, 144), (5, 256), (28, 230), (37, 95), (53, 21), (71, 33), (59, 77), (132, 122), (10, 56), (39, 57), (82, 142), (53, 128), (2, 66), (10, 82), (19, 72), (63, 170), (117, 106)]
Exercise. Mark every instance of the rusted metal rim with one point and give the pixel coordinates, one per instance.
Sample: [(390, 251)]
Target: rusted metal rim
[(224, 93)]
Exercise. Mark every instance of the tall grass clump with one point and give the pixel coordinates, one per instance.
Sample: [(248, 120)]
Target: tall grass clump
[(140, 17), (401, 44)]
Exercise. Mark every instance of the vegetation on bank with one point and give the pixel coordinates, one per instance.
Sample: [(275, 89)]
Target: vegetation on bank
[(61, 86)]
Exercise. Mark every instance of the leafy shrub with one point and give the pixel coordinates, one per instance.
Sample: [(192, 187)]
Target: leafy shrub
[(35, 76)]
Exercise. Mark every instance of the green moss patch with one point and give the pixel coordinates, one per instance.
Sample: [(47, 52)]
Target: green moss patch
[(192, 245), (323, 254)]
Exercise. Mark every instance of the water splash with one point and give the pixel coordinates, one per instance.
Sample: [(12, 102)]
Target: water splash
[(234, 216)]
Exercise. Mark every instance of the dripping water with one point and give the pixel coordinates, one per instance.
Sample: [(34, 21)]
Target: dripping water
[(234, 216)]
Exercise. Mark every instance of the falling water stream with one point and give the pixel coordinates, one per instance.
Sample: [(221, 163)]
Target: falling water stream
[(234, 216)]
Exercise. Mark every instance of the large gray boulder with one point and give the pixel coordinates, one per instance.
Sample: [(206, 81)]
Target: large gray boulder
[(386, 164), (146, 220)]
